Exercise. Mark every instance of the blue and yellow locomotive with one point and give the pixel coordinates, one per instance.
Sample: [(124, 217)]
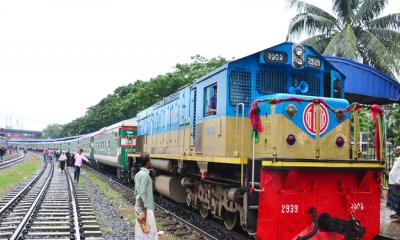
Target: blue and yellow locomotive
[(211, 155)]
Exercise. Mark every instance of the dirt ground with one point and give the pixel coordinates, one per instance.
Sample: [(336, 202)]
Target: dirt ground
[(388, 227)]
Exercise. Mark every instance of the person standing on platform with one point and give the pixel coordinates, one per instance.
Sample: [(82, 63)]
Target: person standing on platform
[(57, 154), (145, 226), (69, 159), (62, 159), (2, 153), (78, 163), (45, 154), (393, 199)]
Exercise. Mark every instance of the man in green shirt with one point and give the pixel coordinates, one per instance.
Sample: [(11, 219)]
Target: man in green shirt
[(145, 227)]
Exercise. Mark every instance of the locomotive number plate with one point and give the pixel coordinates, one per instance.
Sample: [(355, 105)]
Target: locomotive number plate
[(357, 206), (289, 208)]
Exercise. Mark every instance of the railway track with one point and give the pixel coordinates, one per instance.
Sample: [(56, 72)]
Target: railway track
[(49, 206), (181, 221), (11, 161)]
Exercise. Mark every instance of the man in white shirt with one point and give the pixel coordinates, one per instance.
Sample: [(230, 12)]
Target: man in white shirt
[(393, 200)]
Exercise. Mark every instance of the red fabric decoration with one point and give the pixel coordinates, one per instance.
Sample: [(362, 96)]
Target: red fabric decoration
[(254, 116), (354, 107), (376, 111)]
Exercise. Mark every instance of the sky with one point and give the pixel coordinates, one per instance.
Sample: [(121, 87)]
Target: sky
[(59, 57)]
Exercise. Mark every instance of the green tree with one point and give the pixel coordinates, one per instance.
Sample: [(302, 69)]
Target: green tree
[(52, 131), (356, 31), (127, 101), (392, 116)]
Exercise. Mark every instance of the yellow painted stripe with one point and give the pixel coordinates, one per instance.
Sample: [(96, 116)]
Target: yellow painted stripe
[(231, 160), (322, 164)]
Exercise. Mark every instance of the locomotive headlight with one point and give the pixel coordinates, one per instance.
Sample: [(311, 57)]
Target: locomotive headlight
[(291, 140), (298, 50), (298, 61), (291, 110), (339, 142)]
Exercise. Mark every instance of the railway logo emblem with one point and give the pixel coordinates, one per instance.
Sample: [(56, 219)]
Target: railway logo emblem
[(309, 118)]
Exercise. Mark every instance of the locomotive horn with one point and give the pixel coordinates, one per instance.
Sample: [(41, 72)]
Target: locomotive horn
[(302, 87)]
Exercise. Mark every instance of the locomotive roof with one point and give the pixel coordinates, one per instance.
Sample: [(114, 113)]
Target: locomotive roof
[(366, 84), (279, 46)]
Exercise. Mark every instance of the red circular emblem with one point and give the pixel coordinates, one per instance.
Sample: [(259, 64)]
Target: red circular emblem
[(309, 117)]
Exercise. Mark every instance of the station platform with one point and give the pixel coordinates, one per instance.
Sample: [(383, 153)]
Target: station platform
[(388, 227)]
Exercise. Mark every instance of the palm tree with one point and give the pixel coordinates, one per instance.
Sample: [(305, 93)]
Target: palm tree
[(355, 32)]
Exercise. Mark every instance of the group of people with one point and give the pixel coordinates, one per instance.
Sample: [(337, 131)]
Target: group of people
[(3, 151), (66, 158), (393, 199)]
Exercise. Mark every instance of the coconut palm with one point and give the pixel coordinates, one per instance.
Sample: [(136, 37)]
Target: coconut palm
[(355, 31)]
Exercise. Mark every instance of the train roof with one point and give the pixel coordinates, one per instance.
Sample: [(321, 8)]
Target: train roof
[(20, 131), (366, 84), (33, 140)]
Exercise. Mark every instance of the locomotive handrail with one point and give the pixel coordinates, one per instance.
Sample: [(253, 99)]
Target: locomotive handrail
[(242, 149), (376, 112), (253, 166), (313, 213), (356, 147), (317, 130)]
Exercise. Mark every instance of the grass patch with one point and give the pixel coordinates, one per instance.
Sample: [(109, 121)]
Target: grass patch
[(168, 237), (82, 184), (12, 176), (128, 213), (102, 222), (161, 223), (114, 196)]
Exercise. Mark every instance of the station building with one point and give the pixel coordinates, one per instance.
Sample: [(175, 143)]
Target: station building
[(20, 134)]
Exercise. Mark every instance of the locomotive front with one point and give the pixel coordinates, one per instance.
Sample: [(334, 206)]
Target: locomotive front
[(264, 142), (309, 186)]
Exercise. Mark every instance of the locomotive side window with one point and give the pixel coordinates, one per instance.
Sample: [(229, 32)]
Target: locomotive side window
[(337, 88), (327, 84), (240, 87), (211, 100)]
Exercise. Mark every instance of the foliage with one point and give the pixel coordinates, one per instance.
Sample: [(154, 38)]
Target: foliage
[(392, 117), (127, 101), (52, 131), (355, 32), (392, 120), (16, 174)]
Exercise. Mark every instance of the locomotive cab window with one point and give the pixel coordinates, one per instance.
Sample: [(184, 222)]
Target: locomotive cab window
[(211, 100), (337, 88)]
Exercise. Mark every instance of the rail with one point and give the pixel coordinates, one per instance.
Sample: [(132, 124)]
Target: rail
[(36, 203), (73, 204), (9, 162), (21, 193)]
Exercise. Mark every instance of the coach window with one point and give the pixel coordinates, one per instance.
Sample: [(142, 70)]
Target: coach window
[(211, 100)]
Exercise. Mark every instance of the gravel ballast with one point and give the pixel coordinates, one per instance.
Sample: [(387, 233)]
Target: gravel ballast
[(108, 215)]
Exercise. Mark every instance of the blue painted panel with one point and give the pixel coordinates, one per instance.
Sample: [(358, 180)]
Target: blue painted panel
[(219, 78), (298, 119), (365, 80), (175, 111)]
